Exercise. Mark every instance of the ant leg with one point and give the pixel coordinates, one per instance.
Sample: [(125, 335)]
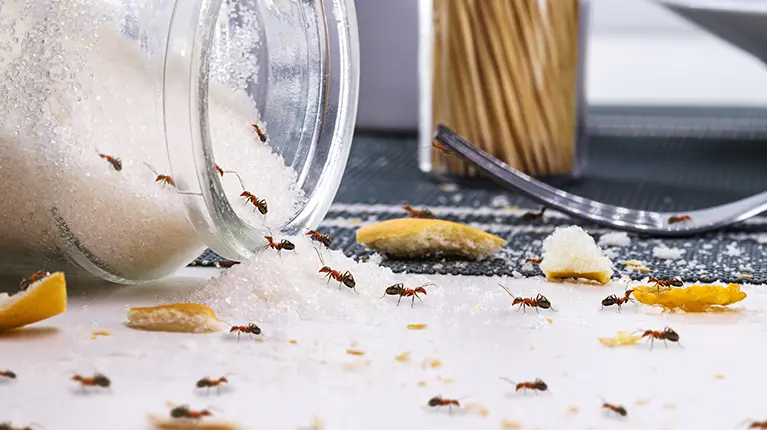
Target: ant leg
[(665, 342), (619, 308), (398, 300), (412, 302), (536, 310), (652, 342)]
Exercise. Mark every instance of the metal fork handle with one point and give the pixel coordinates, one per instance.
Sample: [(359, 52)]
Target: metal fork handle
[(619, 218)]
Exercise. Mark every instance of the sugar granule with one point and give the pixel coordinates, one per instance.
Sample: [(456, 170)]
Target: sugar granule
[(617, 238), (667, 253)]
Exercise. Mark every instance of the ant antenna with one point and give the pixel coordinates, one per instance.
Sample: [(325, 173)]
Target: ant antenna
[(508, 380), (150, 168), (427, 284), (507, 291), (242, 184), (319, 255), (36, 425)]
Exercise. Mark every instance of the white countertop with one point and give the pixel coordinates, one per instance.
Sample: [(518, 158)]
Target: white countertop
[(278, 385)]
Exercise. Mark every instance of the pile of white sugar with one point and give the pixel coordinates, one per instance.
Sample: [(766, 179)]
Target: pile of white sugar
[(82, 88)]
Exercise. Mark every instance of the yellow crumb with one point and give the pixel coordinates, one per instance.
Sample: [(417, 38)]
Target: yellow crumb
[(622, 338), (573, 410), (293, 341), (719, 376), (511, 208), (532, 347), (101, 332), (431, 362), (259, 340), (417, 326), (421, 383), (549, 320), (476, 407), (163, 423), (637, 266), (448, 380), (356, 365), (43, 299), (746, 275), (642, 402), (355, 220), (510, 425), (404, 357), (669, 405), (354, 352), (695, 298), (177, 317)]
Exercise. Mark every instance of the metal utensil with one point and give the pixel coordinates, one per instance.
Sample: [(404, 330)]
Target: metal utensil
[(619, 218)]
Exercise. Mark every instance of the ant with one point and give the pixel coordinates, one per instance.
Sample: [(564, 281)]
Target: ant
[(618, 409), (259, 204), (423, 213), (114, 161), (183, 411), (226, 263), (440, 148), (220, 170), (673, 219), (752, 425), (97, 380), (345, 278), (401, 291), (164, 179), (438, 401), (9, 426), (26, 282), (279, 246), (208, 383), (7, 374), (250, 329), (615, 300), (531, 216), (667, 282), (321, 238), (260, 133), (537, 385), (540, 301), (534, 260), (667, 335)]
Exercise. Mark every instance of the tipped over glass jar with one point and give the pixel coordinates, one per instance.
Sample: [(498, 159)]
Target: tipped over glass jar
[(136, 133)]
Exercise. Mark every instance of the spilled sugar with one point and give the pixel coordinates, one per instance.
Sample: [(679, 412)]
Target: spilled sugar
[(285, 287), (621, 239), (667, 253)]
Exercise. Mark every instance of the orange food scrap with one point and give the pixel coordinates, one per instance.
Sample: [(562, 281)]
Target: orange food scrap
[(476, 407), (695, 298), (293, 341), (416, 326), (404, 357), (431, 362), (573, 410), (622, 338), (421, 383), (719, 376), (354, 352), (510, 425)]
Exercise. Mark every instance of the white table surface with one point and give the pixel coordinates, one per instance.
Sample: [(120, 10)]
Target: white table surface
[(278, 385)]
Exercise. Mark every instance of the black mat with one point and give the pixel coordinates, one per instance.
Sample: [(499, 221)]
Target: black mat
[(670, 159)]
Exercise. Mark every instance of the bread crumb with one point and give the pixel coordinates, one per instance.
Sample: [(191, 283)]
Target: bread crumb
[(317, 424), (569, 252), (476, 407), (421, 383), (355, 220), (642, 402), (573, 410), (745, 275), (670, 405), (549, 320), (354, 352), (719, 376), (293, 341), (417, 326), (404, 357), (448, 380), (510, 425), (259, 340), (431, 362), (636, 266), (356, 365), (101, 332)]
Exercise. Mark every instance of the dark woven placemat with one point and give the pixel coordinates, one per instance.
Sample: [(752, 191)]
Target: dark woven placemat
[(656, 159)]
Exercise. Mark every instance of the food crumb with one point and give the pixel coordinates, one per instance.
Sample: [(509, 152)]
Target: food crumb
[(421, 383), (317, 424), (354, 352), (404, 357), (642, 402), (549, 320), (259, 340), (745, 275), (636, 266), (719, 376), (573, 410), (670, 405), (416, 326), (476, 407), (431, 362), (356, 365), (355, 220), (101, 332), (510, 425), (293, 341)]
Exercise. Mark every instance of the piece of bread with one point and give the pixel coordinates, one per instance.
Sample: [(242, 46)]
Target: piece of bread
[(39, 301), (569, 252), (177, 317), (417, 237)]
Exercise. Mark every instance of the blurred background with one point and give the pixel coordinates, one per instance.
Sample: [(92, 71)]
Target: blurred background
[(639, 54)]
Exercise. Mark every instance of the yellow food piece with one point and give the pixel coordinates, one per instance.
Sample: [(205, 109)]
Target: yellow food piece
[(177, 317), (41, 300), (180, 424), (405, 356), (416, 326), (695, 298), (622, 338), (354, 352), (414, 237)]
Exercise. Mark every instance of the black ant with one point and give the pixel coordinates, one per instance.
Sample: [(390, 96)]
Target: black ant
[(415, 213), (613, 299), (667, 335), (7, 374), (345, 278), (401, 291), (207, 383), (532, 216), (97, 380), (540, 301), (536, 385), (321, 238), (249, 329), (26, 282)]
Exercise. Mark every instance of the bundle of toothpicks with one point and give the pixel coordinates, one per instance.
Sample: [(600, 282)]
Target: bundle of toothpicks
[(505, 77)]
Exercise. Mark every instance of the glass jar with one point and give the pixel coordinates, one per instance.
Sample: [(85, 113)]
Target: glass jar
[(508, 76), (133, 132)]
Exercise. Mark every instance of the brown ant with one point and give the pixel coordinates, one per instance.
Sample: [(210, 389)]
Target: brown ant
[(279, 246), (31, 279), (438, 401), (667, 335), (260, 133), (321, 238), (534, 260), (7, 374), (97, 380), (613, 299), (163, 179), (423, 213), (537, 385), (752, 425), (226, 263), (345, 278), (401, 291), (9, 426), (440, 148), (666, 282), (114, 161), (183, 411), (220, 170), (259, 204), (531, 216), (673, 219), (208, 383), (618, 409), (540, 301), (250, 329)]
